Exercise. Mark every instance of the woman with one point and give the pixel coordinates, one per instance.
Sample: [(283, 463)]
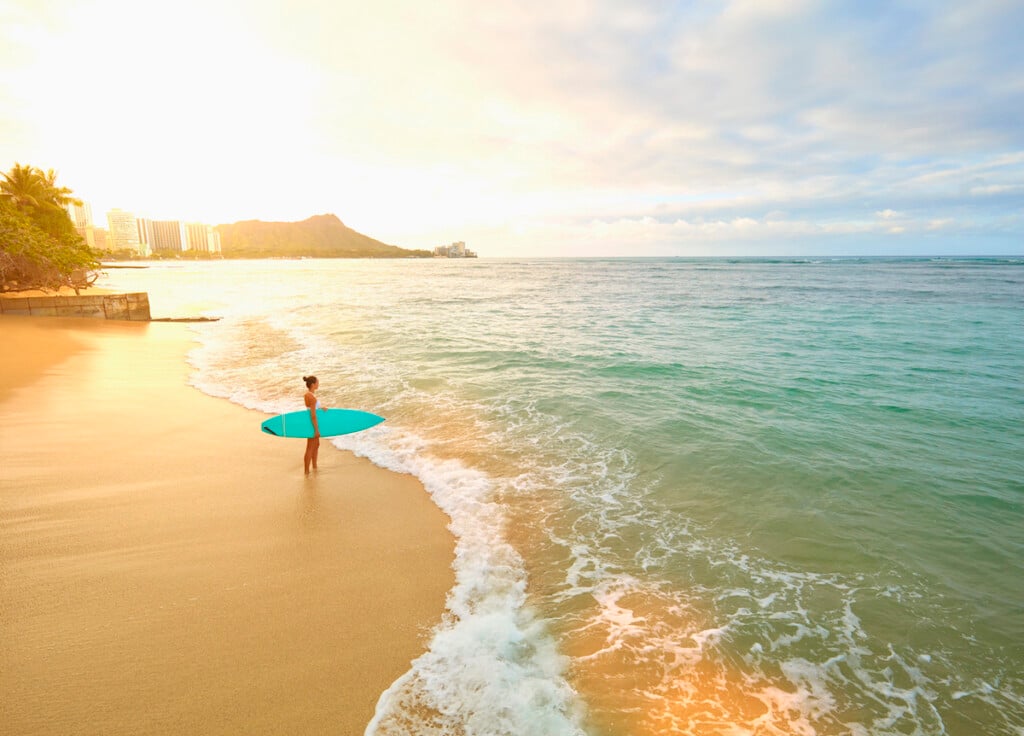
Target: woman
[(312, 403)]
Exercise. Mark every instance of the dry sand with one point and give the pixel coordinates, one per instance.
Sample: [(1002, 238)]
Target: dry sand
[(165, 568)]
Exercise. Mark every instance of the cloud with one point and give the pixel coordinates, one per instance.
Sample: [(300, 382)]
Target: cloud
[(409, 120)]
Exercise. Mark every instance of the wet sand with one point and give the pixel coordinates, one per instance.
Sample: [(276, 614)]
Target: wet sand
[(166, 568)]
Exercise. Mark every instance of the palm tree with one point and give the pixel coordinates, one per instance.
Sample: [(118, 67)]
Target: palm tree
[(40, 247), (25, 186), (60, 196), (34, 188)]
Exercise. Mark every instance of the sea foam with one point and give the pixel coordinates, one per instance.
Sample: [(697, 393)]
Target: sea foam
[(490, 667)]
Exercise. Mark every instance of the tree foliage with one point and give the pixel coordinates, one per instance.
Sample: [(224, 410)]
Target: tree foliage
[(39, 247)]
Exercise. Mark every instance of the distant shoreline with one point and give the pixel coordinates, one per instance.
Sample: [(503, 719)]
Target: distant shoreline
[(998, 257)]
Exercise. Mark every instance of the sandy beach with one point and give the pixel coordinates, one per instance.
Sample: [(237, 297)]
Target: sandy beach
[(165, 568)]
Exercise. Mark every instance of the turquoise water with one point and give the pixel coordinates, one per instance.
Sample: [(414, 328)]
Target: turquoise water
[(690, 496)]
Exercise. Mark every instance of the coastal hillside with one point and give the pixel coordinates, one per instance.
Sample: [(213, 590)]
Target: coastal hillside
[(321, 236)]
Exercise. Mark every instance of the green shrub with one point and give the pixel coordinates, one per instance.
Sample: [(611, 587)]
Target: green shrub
[(39, 247)]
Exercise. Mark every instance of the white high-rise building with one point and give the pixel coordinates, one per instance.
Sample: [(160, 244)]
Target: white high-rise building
[(81, 217), (457, 249), (202, 238), (81, 214), (144, 228), (168, 236), (123, 233)]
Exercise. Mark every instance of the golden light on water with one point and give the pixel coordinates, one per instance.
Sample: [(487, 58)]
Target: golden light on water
[(647, 666)]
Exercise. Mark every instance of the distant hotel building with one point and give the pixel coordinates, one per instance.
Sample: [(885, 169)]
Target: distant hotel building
[(142, 235), (202, 238), (81, 214), (146, 237), (455, 250), (168, 236), (123, 233), (81, 217), (144, 227)]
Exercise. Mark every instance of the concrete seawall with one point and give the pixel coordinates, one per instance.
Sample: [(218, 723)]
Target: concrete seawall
[(132, 307)]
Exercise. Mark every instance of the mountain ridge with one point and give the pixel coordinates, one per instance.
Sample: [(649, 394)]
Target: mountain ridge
[(319, 236)]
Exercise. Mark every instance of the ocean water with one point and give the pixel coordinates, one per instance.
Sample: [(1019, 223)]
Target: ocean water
[(689, 496)]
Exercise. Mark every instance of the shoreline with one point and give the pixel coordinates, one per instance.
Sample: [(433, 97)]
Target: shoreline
[(166, 567)]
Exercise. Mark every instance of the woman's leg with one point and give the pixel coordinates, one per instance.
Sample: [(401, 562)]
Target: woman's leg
[(310, 454)]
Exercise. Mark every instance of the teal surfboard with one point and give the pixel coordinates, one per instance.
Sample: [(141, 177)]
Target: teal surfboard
[(332, 422)]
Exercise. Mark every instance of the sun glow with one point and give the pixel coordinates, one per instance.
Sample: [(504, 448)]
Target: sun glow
[(515, 129)]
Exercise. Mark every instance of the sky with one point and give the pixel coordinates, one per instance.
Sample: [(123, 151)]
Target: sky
[(529, 128)]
